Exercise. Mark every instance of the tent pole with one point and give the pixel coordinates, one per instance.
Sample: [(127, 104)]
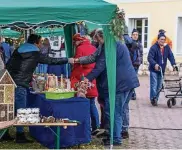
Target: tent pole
[(0, 34), (27, 33)]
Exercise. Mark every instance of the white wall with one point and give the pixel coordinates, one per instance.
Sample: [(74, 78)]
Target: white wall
[(179, 36)]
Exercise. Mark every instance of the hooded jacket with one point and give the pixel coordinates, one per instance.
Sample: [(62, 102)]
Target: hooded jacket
[(84, 49), (126, 78), (24, 60)]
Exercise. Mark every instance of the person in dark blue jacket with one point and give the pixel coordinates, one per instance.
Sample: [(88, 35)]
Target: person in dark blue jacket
[(7, 50), (157, 58), (126, 81), (136, 54)]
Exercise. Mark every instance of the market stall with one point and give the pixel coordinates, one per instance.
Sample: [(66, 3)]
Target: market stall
[(67, 13), (64, 108)]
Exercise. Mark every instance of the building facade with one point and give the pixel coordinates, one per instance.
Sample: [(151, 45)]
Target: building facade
[(148, 16)]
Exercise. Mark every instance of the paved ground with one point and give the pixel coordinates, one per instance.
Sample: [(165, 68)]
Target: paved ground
[(143, 115), (153, 127)]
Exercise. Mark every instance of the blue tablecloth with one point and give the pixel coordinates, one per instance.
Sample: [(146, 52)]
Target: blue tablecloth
[(41, 68), (73, 108)]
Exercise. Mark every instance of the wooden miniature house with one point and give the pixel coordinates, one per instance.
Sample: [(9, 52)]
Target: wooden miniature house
[(7, 90)]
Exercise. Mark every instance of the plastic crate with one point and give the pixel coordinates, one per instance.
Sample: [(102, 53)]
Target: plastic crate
[(58, 96)]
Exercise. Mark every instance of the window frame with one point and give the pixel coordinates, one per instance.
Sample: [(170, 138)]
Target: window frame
[(130, 24)]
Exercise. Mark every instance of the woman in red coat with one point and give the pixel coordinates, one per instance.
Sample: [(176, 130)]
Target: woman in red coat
[(85, 48)]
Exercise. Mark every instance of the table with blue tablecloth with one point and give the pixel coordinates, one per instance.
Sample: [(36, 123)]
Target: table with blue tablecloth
[(73, 108)]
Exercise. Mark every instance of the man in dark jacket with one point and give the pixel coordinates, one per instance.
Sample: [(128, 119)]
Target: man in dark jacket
[(136, 54), (157, 58), (126, 81), (21, 67)]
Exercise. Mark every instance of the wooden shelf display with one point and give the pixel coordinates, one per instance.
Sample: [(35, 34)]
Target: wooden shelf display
[(7, 90)]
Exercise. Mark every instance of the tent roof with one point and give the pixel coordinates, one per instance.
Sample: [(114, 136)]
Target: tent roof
[(45, 32), (10, 33), (65, 11)]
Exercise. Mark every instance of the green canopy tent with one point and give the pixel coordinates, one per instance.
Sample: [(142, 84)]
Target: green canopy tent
[(92, 26), (45, 32), (45, 12), (8, 33)]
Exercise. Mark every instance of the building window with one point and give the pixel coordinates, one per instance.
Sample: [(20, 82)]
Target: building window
[(179, 36), (141, 24)]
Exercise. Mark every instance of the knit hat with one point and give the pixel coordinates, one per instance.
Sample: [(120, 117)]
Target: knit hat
[(162, 31), (134, 30), (161, 35)]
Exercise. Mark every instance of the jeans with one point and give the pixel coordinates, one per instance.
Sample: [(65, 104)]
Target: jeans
[(101, 102), (94, 115), (155, 85), (20, 101), (134, 93), (120, 101), (126, 113)]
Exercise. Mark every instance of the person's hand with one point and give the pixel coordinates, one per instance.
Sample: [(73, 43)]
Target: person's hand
[(76, 60), (71, 60), (157, 67), (86, 80)]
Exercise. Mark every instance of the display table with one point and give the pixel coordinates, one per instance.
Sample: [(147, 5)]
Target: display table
[(73, 108), (48, 125)]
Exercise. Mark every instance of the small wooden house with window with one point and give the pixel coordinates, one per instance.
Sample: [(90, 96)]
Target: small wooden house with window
[(7, 96)]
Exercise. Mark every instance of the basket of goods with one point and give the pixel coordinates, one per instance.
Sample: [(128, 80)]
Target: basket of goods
[(57, 94), (82, 88), (58, 90), (38, 82), (28, 116)]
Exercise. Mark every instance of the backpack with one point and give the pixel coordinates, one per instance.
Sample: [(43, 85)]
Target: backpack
[(135, 54)]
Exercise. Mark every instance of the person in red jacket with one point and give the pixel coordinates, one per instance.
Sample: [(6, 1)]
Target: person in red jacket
[(85, 48)]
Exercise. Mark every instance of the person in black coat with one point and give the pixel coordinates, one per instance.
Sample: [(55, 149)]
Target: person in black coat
[(21, 67)]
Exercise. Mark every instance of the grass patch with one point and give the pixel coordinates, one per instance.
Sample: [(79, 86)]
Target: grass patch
[(95, 144)]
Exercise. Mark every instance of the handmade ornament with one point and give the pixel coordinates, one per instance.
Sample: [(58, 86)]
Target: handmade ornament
[(82, 88), (28, 116), (49, 119)]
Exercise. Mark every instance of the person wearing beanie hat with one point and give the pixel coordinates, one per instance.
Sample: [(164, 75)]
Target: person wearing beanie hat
[(134, 30), (136, 54), (161, 35), (85, 48), (157, 58), (168, 40)]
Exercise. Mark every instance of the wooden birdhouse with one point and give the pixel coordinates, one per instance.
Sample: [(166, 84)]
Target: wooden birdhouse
[(7, 96)]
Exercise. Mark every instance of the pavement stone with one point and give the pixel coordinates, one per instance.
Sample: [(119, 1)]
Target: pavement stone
[(144, 115)]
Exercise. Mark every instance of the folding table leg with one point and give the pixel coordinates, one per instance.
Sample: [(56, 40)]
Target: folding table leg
[(58, 138)]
